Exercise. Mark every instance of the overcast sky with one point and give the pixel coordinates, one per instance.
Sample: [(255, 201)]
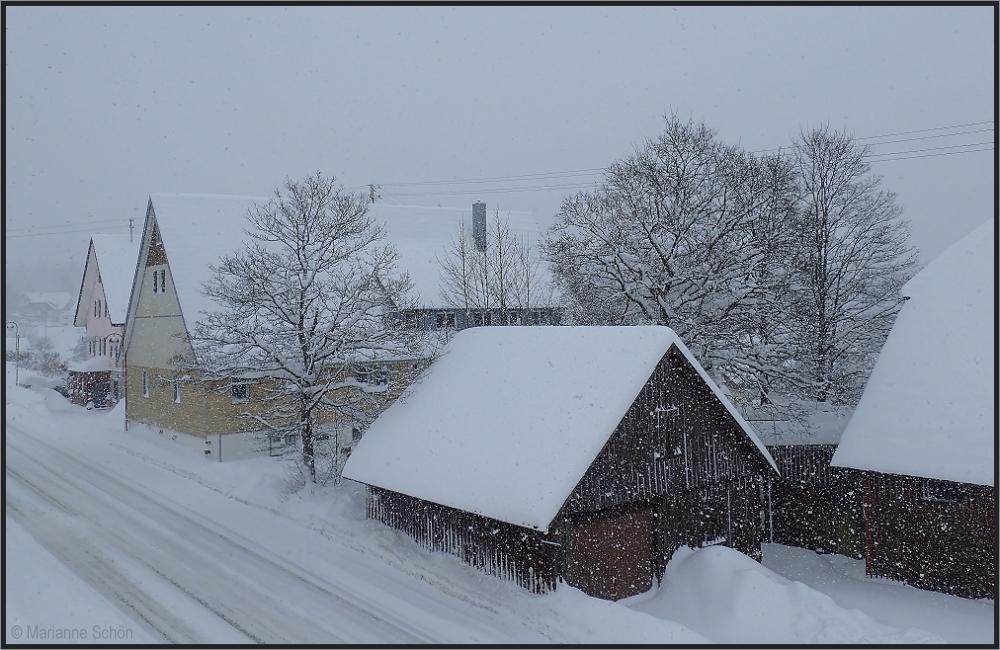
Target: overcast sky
[(105, 105)]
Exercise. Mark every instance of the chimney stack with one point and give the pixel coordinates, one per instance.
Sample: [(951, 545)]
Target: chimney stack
[(479, 225)]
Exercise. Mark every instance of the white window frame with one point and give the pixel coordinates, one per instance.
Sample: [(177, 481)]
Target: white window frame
[(145, 383)]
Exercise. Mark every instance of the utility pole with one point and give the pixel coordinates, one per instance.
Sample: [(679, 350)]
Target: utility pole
[(17, 349)]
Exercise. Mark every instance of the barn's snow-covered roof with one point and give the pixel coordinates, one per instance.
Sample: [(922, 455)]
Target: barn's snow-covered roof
[(116, 259), (928, 408), (508, 420), (197, 230), (423, 235)]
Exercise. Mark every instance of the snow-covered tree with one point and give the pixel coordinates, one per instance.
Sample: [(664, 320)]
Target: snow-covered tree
[(662, 241), (308, 300), (850, 263), (503, 278)]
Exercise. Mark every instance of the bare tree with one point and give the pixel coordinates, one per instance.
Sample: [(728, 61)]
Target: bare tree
[(661, 241), (851, 263), (310, 298), (505, 277)]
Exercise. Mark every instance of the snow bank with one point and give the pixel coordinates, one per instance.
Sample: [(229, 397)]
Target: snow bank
[(730, 598)]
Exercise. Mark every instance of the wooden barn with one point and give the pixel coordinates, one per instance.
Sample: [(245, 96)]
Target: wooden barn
[(812, 505), (923, 433), (578, 454)]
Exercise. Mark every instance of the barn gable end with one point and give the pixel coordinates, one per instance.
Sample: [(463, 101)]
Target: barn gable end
[(673, 464)]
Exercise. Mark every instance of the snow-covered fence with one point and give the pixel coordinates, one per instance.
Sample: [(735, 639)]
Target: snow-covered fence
[(498, 548)]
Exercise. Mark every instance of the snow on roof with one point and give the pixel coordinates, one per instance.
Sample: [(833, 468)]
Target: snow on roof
[(116, 259), (928, 408), (424, 234), (508, 420), (197, 230), (58, 300)]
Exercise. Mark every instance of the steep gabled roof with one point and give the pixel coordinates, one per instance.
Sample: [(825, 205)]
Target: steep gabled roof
[(115, 257), (422, 235), (928, 409), (197, 230), (507, 422)]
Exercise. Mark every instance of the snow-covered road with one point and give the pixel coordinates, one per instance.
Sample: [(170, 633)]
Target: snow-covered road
[(186, 579)]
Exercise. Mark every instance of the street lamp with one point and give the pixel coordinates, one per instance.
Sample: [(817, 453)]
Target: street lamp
[(17, 349)]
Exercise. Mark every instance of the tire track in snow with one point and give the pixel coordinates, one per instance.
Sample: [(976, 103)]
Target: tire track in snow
[(150, 523)]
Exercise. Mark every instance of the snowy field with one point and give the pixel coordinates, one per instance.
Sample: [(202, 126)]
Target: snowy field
[(134, 538)]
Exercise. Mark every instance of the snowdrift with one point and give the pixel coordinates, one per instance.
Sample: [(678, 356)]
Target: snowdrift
[(729, 598)]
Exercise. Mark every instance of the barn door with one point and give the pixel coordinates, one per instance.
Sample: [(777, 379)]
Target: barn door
[(611, 556)]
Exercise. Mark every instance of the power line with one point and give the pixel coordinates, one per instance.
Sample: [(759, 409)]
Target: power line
[(66, 225), (928, 137), (937, 128), (498, 179), (57, 232), (931, 155), (954, 146)]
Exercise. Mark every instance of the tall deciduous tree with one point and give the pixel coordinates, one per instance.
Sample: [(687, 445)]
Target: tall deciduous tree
[(504, 278), (851, 261), (307, 300), (662, 241)]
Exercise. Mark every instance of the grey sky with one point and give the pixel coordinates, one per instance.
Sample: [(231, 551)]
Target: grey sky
[(105, 105)]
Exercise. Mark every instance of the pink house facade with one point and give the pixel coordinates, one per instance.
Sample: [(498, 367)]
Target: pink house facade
[(101, 309)]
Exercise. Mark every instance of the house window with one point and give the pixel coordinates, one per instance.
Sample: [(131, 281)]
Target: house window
[(156, 282), (106, 313), (362, 374), (445, 320), (177, 391), (163, 281), (104, 347), (239, 391), (145, 383), (942, 491), (382, 376)]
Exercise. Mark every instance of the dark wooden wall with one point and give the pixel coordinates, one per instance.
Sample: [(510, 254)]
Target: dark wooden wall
[(677, 471), (814, 505), (947, 546), (524, 555)]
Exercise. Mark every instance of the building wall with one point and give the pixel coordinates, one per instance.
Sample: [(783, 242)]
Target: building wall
[(99, 328), (940, 545), (662, 481), (813, 505), (524, 555)]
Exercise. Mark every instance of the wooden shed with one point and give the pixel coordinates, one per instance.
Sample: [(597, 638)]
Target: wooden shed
[(924, 432), (581, 454)]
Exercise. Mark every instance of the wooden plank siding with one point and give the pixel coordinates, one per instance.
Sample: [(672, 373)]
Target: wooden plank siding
[(523, 555), (675, 438), (677, 471), (941, 545), (814, 505)]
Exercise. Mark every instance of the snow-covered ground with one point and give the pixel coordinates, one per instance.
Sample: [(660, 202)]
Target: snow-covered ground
[(133, 532)]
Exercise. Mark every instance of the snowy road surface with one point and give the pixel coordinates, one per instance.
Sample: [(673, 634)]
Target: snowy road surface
[(183, 576)]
